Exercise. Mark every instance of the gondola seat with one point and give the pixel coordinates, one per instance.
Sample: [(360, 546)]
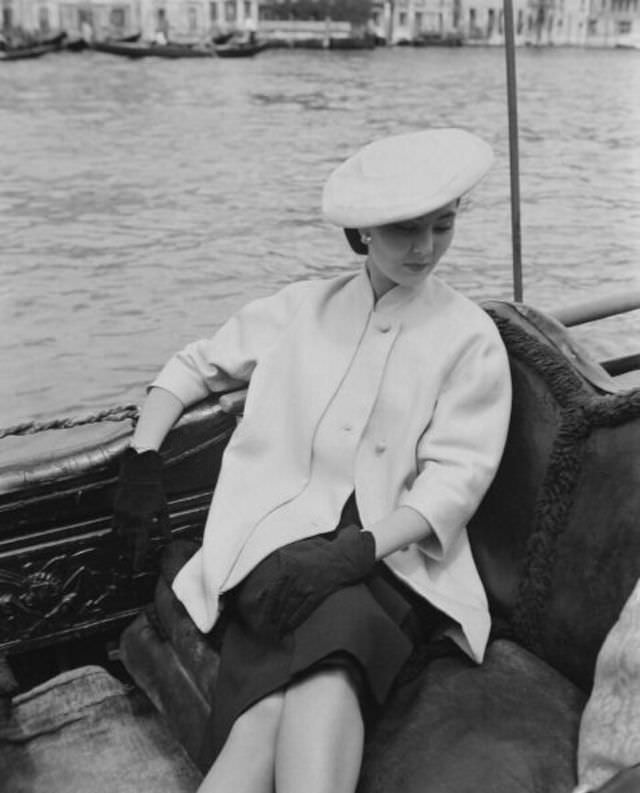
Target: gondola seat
[(557, 543)]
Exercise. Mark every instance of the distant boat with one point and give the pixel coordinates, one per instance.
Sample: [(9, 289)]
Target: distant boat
[(310, 43), (21, 53), (77, 45), (33, 49), (80, 44), (438, 40), (56, 42), (239, 49), (223, 38), (133, 49), (132, 38), (365, 42)]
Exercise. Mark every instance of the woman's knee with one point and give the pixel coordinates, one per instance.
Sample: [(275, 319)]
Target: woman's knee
[(344, 677), (332, 681), (262, 717)]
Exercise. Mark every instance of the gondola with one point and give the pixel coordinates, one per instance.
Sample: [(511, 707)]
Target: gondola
[(223, 38), (23, 53), (80, 44), (438, 40), (57, 41), (128, 679), (137, 50), (34, 49), (239, 49), (365, 42), (133, 37), (77, 45), (70, 600)]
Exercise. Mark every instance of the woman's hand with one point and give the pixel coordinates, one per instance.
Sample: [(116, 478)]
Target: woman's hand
[(295, 579), (140, 504)]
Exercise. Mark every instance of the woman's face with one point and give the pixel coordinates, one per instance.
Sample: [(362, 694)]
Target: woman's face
[(406, 252)]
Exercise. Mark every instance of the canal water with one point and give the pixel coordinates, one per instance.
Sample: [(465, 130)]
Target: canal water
[(142, 202)]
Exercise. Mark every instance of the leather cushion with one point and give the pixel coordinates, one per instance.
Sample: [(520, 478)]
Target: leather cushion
[(156, 668), (507, 726), (170, 659), (557, 538), (196, 652)]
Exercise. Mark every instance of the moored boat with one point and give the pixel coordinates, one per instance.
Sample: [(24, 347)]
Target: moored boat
[(22, 53), (77, 44), (80, 44), (132, 37), (143, 50), (427, 39), (33, 49), (365, 42), (56, 41), (239, 49)]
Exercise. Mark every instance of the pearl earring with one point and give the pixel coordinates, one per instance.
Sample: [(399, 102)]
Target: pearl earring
[(366, 238)]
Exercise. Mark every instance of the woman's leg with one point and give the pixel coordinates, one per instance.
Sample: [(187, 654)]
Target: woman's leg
[(319, 745), (246, 762)]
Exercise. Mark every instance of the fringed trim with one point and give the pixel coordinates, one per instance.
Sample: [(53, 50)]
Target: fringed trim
[(581, 412), (610, 411), (551, 513), (564, 383)]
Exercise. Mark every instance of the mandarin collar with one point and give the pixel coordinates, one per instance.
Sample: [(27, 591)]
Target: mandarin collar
[(397, 298)]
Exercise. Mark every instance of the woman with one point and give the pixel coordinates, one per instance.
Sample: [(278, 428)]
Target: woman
[(375, 419)]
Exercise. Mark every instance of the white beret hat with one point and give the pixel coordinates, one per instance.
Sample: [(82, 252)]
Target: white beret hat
[(404, 176)]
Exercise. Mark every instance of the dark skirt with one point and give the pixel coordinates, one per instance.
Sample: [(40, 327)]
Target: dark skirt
[(373, 628)]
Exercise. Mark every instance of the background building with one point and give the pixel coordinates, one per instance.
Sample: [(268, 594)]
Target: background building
[(596, 23), (178, 19)]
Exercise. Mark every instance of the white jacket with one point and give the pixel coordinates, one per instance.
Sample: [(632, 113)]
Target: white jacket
[(431, 418)]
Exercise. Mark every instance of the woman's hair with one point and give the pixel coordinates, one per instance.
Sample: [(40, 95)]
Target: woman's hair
[(355, 238), (355, 241)]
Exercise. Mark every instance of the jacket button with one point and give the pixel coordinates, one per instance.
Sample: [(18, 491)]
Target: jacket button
[(384, 328), (381, 448), (347, 427)]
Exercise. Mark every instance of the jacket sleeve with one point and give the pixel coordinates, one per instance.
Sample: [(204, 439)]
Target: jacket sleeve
[(459, 452), (228, 359)]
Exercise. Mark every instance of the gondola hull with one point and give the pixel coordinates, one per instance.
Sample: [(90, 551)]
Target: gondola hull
[(555, 540), (24, 53), (62, 574), (137, 50), (238, 50)]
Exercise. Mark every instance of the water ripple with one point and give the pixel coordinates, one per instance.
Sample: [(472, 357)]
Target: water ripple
[(143, 202)]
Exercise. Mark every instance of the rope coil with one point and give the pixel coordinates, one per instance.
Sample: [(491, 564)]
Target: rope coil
[(120, 413)]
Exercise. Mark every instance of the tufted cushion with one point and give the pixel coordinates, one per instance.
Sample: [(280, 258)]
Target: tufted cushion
[(557, 538)]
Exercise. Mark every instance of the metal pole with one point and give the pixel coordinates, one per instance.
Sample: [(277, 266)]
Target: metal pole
[(512, 107)]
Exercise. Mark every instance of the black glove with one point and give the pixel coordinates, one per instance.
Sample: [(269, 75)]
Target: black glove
[(140, 505), (292, 582)]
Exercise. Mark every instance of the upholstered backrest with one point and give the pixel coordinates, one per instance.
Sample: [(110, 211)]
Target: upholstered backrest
[(557, 538)]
